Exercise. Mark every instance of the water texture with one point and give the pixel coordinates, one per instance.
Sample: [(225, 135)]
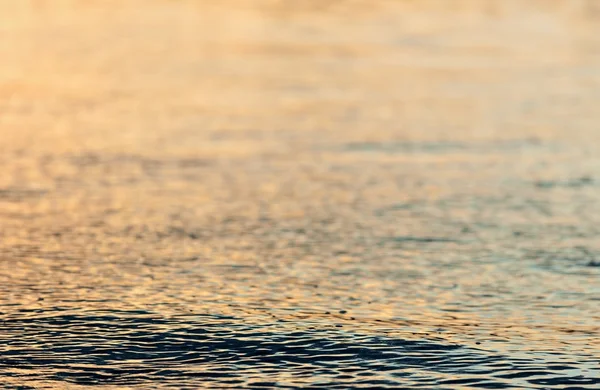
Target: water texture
[(310, 194)]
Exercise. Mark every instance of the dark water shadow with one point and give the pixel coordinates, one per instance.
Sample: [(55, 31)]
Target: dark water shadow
[(133, 348)]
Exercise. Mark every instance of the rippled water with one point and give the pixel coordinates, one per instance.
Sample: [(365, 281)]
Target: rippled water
[(307, 194)]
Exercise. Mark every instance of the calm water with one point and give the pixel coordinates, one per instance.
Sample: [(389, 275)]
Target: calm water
[(261, 193)]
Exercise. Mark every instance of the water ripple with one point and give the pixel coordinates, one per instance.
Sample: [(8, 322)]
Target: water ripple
[(134, 348)]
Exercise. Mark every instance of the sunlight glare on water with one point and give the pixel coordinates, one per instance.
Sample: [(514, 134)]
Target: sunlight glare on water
[(324, 194)]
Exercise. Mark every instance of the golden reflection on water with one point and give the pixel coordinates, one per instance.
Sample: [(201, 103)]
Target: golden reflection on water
[(429, 167)]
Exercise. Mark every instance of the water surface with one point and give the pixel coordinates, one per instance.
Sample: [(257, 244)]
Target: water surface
[(341, 194)]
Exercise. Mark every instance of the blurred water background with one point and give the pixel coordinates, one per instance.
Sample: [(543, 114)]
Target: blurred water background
[(301, 194)]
